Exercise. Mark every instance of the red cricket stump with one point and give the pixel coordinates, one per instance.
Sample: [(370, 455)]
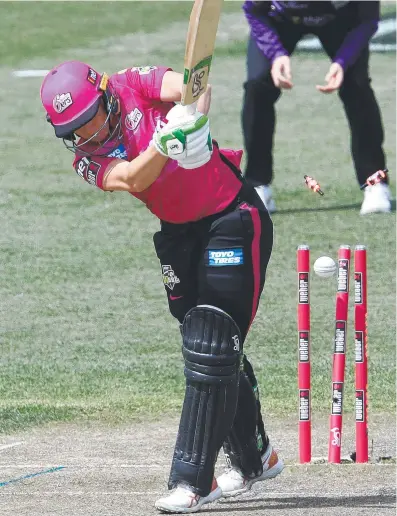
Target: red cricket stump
[(304, 388), (360, 328), (339, 355)]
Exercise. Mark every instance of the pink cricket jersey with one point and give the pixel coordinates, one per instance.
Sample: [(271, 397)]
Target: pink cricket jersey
[(177, 195)]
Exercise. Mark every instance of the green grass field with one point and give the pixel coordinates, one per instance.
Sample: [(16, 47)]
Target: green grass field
[(85, 332)]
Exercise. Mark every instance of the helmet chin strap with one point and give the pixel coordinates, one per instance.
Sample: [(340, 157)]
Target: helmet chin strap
[(77, 148)]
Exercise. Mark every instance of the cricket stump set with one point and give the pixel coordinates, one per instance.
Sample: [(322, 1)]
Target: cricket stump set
[(339, 353)]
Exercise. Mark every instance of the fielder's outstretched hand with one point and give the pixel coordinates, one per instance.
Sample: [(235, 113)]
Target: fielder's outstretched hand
[(281, 72), (333, 79), (185, 138)]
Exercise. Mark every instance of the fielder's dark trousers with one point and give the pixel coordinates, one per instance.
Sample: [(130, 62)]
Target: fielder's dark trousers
[(356, 94)]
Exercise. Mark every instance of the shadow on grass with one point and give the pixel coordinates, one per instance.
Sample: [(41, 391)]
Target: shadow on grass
[(386, 501), (341, 207)]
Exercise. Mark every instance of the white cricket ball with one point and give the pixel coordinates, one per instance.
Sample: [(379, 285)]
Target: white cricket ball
[(325, 267)]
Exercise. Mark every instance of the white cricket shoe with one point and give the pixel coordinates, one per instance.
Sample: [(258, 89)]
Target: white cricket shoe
[(266, 195), (376, 199), (233, 482), (182, 500)]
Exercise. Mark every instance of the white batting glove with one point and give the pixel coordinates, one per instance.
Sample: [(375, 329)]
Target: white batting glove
[(201, 157), (185, 138), (179, 112)]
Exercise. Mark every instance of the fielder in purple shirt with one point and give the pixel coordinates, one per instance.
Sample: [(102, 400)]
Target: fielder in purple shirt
[(344, 30)]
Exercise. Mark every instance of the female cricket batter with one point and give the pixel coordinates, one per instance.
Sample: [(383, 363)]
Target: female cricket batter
[(214, 245)]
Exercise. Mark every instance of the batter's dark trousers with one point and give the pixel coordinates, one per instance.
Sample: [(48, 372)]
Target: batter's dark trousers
[(192, 277), (356, 94)]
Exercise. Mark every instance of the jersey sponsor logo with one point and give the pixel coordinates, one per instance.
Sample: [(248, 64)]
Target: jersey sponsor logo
[(222, 257), (120, 152), (170, 279), (317, 21), (133, 119), (88, 170), (91, 76), (62, 101), (143, 70)]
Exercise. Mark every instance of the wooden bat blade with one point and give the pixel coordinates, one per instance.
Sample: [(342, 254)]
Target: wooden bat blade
[(200, 43)]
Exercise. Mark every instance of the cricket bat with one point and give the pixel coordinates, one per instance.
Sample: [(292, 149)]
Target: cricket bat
[(200, 43)]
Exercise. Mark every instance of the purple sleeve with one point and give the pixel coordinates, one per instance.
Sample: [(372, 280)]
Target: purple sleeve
[(358, 38), (354, 43), (264, 34)]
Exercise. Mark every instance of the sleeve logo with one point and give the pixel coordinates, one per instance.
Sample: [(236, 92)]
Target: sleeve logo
[(88, 170), (133, 119)]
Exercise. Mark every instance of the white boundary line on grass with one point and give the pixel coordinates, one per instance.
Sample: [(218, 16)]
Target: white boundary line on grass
[(8, 446), (29, 73)]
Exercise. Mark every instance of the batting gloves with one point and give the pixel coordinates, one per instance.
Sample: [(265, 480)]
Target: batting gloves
[(186, 138)]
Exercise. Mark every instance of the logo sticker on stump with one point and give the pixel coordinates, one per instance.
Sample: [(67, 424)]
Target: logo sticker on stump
[(304, 346), (303, 288), (304, 405)]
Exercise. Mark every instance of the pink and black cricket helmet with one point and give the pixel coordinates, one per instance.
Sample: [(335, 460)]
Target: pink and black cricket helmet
[(71, 93)]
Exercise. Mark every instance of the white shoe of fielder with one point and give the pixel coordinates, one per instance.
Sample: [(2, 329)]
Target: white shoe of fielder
[(233, 482), (182, 500), (376, 199), (266, 195)]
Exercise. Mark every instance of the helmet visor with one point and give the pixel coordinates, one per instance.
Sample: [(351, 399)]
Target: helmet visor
[(63, 131)]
